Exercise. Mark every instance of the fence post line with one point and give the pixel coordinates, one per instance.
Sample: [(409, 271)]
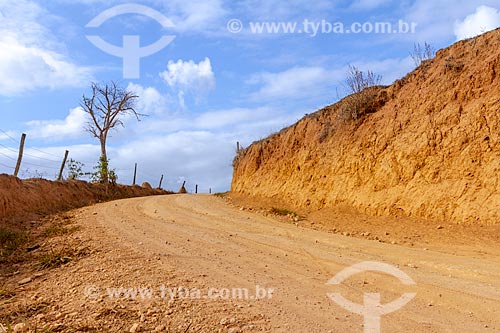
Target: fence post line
[(161, 180), (62, 165), (20, 156), (135, 173)]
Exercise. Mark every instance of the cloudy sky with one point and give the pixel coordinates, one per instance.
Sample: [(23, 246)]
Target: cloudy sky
[(230, 73)]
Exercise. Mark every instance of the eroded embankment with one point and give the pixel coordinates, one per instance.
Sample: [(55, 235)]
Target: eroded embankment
[(426, 146), (21, 199)]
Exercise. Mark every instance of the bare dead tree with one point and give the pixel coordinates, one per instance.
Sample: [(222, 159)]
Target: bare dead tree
[(106, 106), (357, 80), (422, 53)]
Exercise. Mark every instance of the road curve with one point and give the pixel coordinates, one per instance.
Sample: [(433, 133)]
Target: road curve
[(203, 236)]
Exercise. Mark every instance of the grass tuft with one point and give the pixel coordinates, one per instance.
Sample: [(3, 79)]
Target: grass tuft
[(55, 258), (283, 212), (9, 242), (58, 229), (6, 292)]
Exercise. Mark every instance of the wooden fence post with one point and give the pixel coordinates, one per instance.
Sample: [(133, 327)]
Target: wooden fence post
[(20, 156), (237, 146), (135, 173), (161, 180), (196, 189), (62, 165), (183, 188)]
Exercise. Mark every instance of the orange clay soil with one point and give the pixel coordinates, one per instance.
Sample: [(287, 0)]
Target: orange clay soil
[(426, 147)]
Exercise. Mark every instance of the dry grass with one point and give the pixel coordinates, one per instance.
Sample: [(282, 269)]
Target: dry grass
[(282, 212), (59, 226), (359, 104), (56, 258), (51, 248), (10, 241), (453, 65), (240, 154), (23, 311), (6, 292), (58, 229), (13, 245)]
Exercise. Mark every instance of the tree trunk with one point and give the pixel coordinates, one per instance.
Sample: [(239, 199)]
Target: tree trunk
[(104, 161)]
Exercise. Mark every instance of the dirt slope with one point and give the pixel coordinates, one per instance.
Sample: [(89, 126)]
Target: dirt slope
[(428, 145), (199, 243), (21, 199)]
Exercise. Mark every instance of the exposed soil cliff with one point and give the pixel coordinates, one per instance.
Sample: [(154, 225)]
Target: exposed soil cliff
[(426, 146)]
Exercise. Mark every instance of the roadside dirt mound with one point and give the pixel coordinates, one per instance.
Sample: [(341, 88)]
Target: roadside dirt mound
[(23, 199), (426, 146)]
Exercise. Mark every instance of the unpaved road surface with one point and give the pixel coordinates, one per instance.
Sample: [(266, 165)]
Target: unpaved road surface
[(202, 236), (201, 249)]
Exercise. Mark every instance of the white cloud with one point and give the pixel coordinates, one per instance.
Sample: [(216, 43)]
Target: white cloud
[(198, 16), (297, 82), (390, 69), (256, 121), (368, 4), (188, 77), (150, 100), (7, 135), (317, 82), (278, 10), (195, 15), (24, 68), (198, 148), (484, 19), (233, 117), (439, 28), (150, 103), (46, 161), (31, 58), (72, 126), (200, 157)]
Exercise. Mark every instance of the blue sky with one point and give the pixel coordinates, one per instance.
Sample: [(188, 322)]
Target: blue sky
[(209, 87)]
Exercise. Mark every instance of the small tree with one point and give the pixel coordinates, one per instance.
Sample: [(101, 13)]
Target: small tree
[(75, 169), (422, 53), (106, 106), (101, 171)]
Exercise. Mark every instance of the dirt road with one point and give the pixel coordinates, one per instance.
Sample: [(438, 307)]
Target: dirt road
[(186, 263), (204, 240)]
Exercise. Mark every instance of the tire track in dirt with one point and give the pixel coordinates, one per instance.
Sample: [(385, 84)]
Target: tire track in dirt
[(203, 236)]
